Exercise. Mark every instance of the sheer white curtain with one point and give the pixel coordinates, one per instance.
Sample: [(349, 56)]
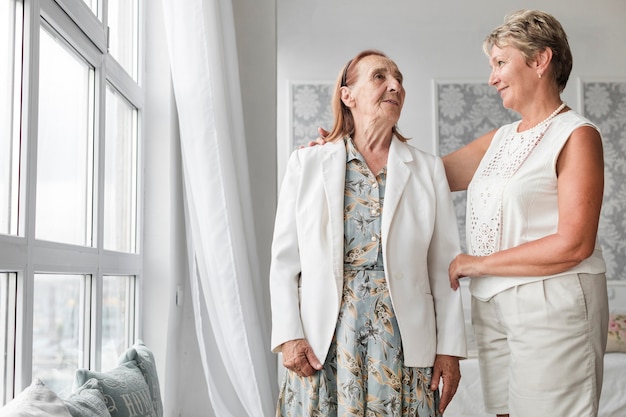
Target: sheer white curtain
[(231, 324)]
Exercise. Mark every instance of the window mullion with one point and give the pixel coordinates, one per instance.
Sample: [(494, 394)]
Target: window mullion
[(92, 329), (83, 18), (26, 225)]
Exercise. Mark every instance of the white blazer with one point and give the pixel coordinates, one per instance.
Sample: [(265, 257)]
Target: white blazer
[(420, 239)]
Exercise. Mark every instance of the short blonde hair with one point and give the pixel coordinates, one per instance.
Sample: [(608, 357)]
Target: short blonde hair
[(532, 31)]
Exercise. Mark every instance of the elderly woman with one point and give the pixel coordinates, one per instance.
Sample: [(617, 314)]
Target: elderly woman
[(539, 298), (362, 309)]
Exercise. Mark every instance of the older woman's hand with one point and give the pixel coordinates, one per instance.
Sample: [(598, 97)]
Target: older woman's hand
[(447, 368), (298, 356)]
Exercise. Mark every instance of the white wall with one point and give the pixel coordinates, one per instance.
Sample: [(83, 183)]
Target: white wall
[(430, 40), (255, 24)]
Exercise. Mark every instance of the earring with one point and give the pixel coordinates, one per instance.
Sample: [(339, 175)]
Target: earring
[(539, 74)]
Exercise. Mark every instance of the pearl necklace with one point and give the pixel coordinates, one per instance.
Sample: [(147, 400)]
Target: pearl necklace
[(519, 139), (552, 116)]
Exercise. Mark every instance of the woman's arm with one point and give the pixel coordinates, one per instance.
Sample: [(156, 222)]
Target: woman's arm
[(285, 265), (462, 164), (580, 171), (448, 306), (287, 332)]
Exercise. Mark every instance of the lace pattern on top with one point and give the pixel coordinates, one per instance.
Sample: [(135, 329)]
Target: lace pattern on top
[(487, 188)]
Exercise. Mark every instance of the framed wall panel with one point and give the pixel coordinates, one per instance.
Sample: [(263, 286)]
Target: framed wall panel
[(310, 108)]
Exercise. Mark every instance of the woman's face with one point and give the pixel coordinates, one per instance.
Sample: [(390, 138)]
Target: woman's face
[(378, 93), (515, 80)]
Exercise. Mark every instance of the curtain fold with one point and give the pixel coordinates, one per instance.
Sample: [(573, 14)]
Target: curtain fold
[(231, 323)]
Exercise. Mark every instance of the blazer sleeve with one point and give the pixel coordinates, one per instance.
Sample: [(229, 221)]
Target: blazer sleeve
[(285, 265), (443, 248)]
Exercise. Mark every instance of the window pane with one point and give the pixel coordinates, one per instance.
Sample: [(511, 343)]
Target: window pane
[(117, 303), (10, 74), (7, 331), (65, 145), (120, 180), (123, 34), (93, 5), (57, 328)]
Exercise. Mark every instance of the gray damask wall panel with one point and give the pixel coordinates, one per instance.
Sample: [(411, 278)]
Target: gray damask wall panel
[(466, 111), (310, 109), (604, 103)]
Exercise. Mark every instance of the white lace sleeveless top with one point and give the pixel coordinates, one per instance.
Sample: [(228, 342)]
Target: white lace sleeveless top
[(512, 198)]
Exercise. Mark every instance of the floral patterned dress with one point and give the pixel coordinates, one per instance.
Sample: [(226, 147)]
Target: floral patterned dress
[(364, 374)]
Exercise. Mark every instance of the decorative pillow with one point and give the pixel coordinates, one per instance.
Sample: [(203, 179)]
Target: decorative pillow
[(616, 341), (125, 391), (37, 400), (145, 362), (87, 400)]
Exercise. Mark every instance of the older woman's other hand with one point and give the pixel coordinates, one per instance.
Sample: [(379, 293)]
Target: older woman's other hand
[(298, 356), (447, 369)]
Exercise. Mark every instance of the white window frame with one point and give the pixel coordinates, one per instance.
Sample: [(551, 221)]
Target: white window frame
[(23, 254)]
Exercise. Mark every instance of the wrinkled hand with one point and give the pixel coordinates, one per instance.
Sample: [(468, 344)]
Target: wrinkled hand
[(298, 356), (447, 368)]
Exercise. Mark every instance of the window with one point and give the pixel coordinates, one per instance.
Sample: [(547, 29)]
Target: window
[(123, 41), (7, 325), (10, 72), (58, 328), (117, 318), (120, 198), (64, 144), (70, 186)]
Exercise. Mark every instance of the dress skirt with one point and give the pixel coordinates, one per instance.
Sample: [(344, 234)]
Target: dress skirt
[(363, 374)]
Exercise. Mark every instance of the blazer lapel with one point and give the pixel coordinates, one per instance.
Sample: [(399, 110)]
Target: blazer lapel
[(334, 177), (397, 177)]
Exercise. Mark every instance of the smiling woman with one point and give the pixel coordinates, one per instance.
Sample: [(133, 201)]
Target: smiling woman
[(534, 193)]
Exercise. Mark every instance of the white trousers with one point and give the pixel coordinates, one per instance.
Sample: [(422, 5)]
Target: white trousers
[(541, 347)]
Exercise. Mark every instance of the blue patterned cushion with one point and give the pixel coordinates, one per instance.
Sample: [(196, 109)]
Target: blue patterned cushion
[(145, 361), (87, 400), (125, 391)]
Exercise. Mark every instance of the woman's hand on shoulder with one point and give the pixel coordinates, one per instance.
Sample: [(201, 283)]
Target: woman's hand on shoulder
[(321, 139)]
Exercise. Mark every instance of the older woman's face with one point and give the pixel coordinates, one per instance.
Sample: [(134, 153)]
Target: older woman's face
[(378, 92), (515, 80)]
